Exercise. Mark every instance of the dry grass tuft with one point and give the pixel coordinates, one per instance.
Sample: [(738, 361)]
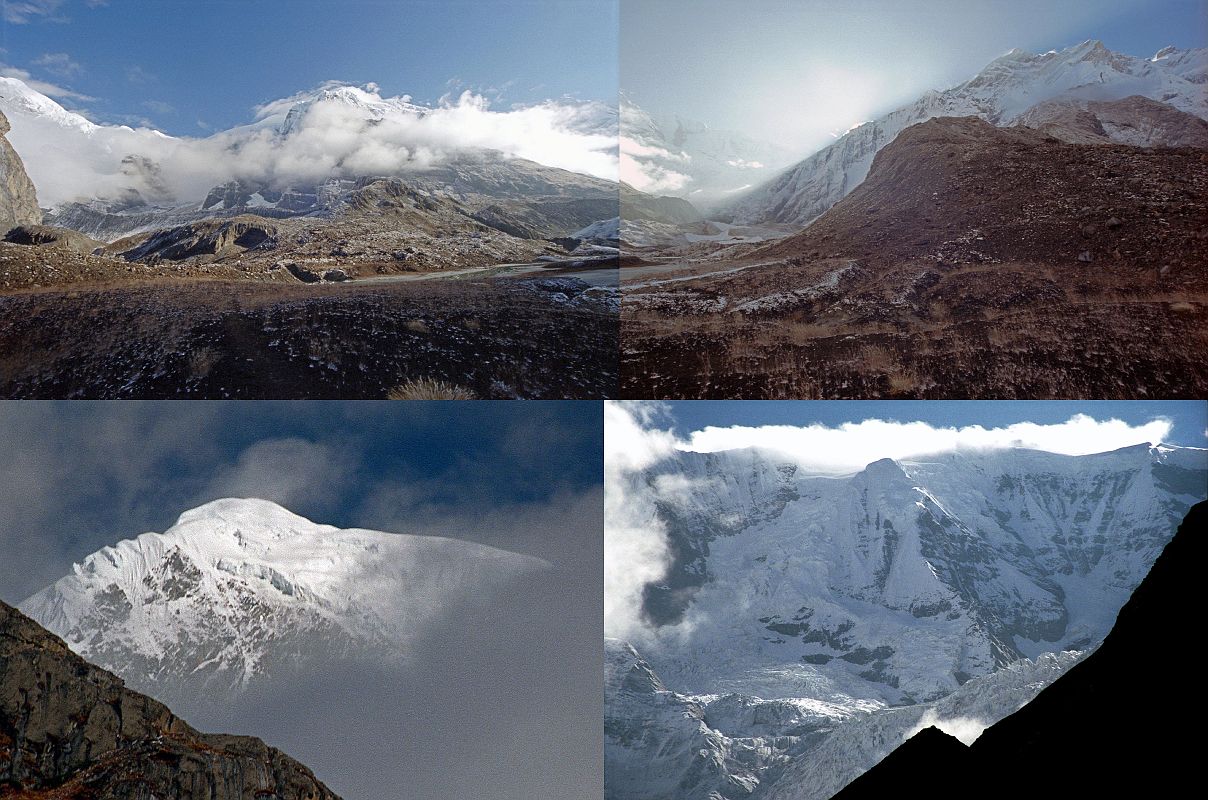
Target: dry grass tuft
[(429, 389)]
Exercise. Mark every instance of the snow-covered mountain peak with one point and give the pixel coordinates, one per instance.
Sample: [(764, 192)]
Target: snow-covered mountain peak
[(904, 578), (16, 97), (287, 116), (251, 513), (884, 469), (239, 589)]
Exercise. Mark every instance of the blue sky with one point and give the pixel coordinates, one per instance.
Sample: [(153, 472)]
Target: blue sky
[(83, 475), (1190, 417), (794, 71), (176, 63)]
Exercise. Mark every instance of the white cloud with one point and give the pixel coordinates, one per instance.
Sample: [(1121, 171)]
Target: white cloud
[(967, 729), (20, 12), (851, 446), (60, 64), (159, 107), (360, 134), (649, 177), (137, 75), (287, 471), (635, 544), (644, 167)]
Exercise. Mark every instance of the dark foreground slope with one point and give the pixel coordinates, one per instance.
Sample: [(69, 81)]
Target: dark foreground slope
[(548, 338), (72, 731), (1116, 725), (973, 262)]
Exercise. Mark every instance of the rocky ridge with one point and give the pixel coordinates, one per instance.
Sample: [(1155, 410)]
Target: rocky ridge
[(72, 731)]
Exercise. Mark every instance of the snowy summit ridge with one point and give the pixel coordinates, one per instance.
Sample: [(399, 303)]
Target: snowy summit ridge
[(238, 589)]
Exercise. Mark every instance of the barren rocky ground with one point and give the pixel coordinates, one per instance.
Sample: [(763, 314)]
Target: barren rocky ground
[(973, 262), (525, 336)]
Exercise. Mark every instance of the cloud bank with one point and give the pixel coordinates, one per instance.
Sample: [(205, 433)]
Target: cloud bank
[(635, 543), (852, 446), (644, 167), (335, 131)]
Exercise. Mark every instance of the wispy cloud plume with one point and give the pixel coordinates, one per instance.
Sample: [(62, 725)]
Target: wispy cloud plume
[(21, 12), (59, 64), (967, 729)]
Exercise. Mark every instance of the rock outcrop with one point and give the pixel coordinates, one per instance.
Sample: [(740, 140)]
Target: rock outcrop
[(18, 200), (206, 238), (71, 730), (51, 236)]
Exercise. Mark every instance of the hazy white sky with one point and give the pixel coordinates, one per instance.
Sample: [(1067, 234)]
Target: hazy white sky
[(796, 72)]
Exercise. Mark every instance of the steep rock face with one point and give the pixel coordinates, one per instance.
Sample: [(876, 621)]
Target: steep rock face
[(241, 591), (18, 200), (71, 730), (1081, 735), (665, 745), (853, 747), (999, 94), (659, 744), (903, 581)]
